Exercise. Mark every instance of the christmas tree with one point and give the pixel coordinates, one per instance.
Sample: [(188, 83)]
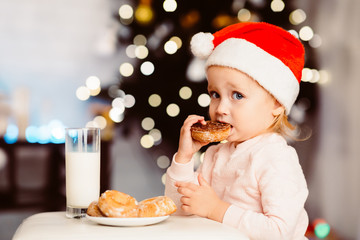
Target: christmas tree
[(163, 77)]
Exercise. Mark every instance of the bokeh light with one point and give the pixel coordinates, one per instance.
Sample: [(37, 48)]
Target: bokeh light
[(156, 134), (244, 15), (141, 52), (129, 101), (204, 100), (140, 40), (116, 114), (196, 70), (95, 92), (130, 51), (306, 75), (163, 162), (57, 135), (190, 19), (315, 76), (83, 93), (3, 158), (53, 132), (154, 100), (173, 110), (126, 11), (147, 68), (92, 82), (100, 121), (324, 77), (222, 20), (118, 103), (31, 134), (169, 5), (297, 16), (177, 40), (147, 141), (12, 133), (57, 131), (144, 14), (277, 5), (148, 123), (170, 47), (294, 33), (126, 69), (44, 134), (321, 228), (316, 41), (185, 93), (306, 33), (163, 178), (91, 124), (114, 91)]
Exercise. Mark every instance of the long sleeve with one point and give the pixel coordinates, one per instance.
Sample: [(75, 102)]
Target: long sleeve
[(178, 172), (261, 179), (283, 195), (186, 173)]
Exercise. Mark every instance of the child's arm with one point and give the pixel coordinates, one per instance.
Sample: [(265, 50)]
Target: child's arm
[(182, 167), (201, 200)]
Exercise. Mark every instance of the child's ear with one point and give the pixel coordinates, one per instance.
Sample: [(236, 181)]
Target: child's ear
[(278, 109)]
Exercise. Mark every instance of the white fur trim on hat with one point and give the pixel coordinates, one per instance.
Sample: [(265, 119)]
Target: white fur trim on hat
[(202, 45), (270, 72)]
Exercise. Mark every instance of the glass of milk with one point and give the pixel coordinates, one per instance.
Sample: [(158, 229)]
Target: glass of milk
[(82, 169)]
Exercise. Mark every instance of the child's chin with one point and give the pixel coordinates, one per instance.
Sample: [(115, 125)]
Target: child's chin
[(230, 138), (233, 138)]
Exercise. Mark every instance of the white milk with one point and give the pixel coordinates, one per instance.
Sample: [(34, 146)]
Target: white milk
[(82, 178)]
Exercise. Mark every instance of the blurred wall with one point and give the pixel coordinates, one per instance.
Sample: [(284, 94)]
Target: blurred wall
[(50, 48), (335, 180)]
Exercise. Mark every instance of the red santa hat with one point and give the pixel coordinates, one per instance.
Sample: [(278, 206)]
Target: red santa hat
[(269, 54)]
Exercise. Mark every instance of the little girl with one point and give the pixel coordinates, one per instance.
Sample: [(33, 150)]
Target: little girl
[(253, 181)]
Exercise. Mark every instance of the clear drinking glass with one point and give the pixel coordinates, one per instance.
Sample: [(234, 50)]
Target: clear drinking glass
[(82, 169)]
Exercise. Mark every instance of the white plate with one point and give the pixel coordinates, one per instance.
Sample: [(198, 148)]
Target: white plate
[(125, 222)]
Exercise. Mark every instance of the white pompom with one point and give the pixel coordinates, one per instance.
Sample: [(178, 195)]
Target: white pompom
[(202, 45)]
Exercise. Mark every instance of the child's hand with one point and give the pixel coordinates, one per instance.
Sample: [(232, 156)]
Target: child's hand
[(187, 145), (201, 200)]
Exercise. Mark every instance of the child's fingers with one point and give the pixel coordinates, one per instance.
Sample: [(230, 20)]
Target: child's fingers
[(202, 181), (186, 208), (185, 191), (185, 200), (189, 185), (195, 117), (192, 119)]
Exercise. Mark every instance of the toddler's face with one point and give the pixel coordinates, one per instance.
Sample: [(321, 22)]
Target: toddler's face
[(239, 100)]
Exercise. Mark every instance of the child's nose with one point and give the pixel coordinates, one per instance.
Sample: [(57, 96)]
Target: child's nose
[(222, 108)]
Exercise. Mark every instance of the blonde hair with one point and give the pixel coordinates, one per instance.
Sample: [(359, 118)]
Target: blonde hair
[(282, 126)]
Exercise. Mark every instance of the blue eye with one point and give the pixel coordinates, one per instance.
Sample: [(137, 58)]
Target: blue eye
[(237, 96), (214, 95)]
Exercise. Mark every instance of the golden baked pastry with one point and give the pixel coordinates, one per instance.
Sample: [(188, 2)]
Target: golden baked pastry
[(113, 203), (156, 207), (94, 210), (116, 204), (211, 132)]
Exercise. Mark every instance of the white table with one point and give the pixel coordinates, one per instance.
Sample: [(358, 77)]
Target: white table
[(55, 225)]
